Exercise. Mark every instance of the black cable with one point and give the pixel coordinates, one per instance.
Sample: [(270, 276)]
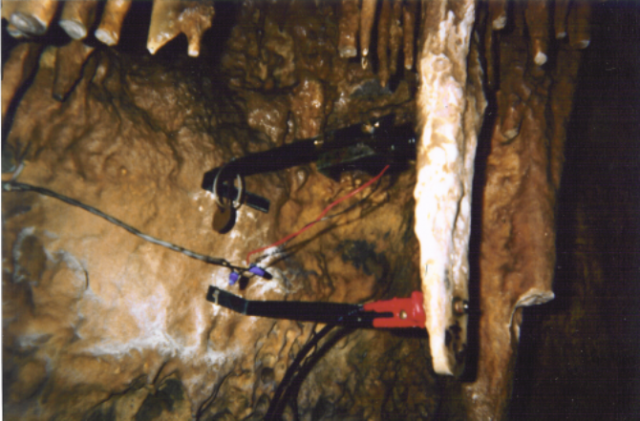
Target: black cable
[(277, 405), (298, 371), (14, 186)]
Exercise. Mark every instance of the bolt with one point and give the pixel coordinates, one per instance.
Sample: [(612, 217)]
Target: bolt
[(460, 306)]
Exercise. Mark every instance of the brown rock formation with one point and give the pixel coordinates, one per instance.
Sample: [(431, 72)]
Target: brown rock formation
[(99, 324), (133, 329), (523, 173)]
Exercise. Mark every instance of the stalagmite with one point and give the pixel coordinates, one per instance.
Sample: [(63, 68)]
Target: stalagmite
[(383, 42), (77, 17), (517, 250), (409, 12), (498, 14), (449, 118), (171, 17), (111, 23), (395, 38), (560, 18), (68, 68), (18, 68), (33, 17), (537, 18), (579, 31), (349, 24), (367, 14)]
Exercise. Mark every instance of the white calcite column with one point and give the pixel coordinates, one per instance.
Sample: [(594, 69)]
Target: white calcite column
[(450, 108)]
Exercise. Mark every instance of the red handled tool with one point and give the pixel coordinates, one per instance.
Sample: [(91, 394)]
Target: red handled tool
[(407, 312), (385, 314)]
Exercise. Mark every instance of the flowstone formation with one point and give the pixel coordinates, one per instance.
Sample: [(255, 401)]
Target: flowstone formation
[(101, 324)]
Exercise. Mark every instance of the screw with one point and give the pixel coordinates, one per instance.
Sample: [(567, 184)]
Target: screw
[(460, 306)]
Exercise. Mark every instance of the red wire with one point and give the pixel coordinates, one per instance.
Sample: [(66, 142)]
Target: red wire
[(322, 215)]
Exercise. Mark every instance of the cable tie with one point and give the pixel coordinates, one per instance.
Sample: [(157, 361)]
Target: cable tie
[(233, 277), (257, 270)]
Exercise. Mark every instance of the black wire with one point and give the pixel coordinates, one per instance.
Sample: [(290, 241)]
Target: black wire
[(14, 186), (298, 371), (277, 405)]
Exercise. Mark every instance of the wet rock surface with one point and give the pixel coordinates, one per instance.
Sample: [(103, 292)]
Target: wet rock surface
[(99, 324)]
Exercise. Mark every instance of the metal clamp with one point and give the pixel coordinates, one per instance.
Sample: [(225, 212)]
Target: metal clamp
[(218, 198)]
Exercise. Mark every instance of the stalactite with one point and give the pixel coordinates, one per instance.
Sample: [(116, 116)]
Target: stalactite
[(164, 25), (449, 115), (77, 17), (560, 18), (32, 17), (579, 30), (348, 25), (367, 15), (383, 42), (409, 12), (498, 14), (111, 23), (195, 21), (395, 32), (537, 19), (169, 18), (68, 67), (8, 7)]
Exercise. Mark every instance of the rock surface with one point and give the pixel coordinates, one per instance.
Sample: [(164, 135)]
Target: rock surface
[(90, 307), (99, 324)]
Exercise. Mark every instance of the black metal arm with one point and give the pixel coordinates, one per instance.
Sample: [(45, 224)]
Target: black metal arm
[(331, 313), (344, 149)]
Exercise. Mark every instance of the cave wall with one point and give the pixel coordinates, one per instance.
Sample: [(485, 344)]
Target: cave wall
[(124, 336), (578, 356), (99, 324), (133, 138)]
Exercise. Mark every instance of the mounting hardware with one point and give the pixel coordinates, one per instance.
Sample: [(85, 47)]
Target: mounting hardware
[(460, 306), (385, 314), (237, 202), (369, 147), (224, 218)]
